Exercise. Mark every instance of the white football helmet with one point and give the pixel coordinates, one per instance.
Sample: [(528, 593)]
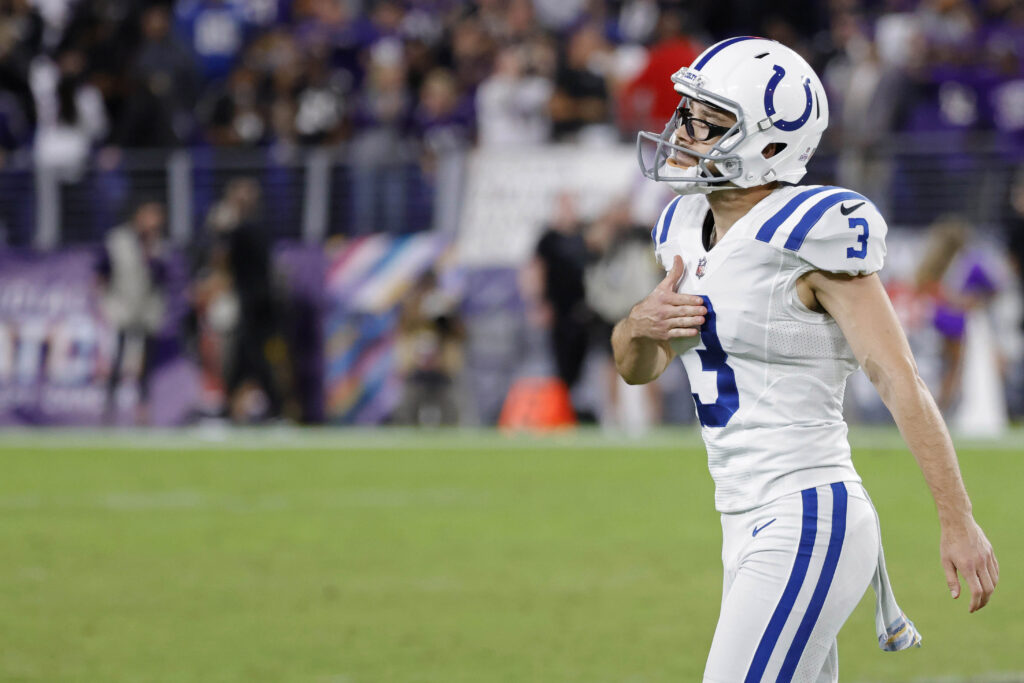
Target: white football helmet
[(776, 98)]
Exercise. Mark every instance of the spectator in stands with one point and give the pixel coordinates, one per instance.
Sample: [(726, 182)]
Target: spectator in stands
[(265, 14), (1004, 81), (512, 103), (949, 27), (443, 119), (108, 33), (580, 106), (421, 56), (235, 111), (157, 92), (56, 15), (320, 101), (381, 145), (385, 19), (132, 274), (645, 103), (866, 95), (140, 71), (164, 64), (559, 15), (72, 116), (276, 56), (518, 22), (472, 52), (284, 138), (72, 121), (20, 36), (638, 20), (339, 27), (15, 126), (216, 32)]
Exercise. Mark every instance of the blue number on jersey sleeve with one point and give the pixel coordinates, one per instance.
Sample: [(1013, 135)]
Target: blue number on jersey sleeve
[(862, 251), (714, 359)]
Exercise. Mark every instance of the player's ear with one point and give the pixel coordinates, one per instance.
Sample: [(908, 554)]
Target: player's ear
[(772, 148)]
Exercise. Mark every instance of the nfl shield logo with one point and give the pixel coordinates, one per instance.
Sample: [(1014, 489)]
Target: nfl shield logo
[(701, 264)]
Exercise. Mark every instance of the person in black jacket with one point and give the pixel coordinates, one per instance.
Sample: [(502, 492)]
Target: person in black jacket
[(561, 256), (245, 251)]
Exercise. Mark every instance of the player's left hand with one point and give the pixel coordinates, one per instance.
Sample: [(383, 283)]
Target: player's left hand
[(965, 549)]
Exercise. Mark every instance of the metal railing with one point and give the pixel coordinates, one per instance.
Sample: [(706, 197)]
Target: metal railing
[(308, 195), (313, 194), (918, 178)]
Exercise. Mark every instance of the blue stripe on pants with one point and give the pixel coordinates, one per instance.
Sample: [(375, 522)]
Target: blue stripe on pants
[(828, 572), (792, 590)]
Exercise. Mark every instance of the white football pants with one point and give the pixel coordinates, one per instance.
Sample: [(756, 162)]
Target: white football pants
[(794, 571)]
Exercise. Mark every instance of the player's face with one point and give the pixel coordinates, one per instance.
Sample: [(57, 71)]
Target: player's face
[(700, 127)]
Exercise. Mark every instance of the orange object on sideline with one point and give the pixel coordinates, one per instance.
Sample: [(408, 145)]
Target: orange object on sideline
[(537, 404)]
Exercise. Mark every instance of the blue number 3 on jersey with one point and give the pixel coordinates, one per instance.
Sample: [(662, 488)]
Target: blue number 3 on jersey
[(862, 238), (714, 359)]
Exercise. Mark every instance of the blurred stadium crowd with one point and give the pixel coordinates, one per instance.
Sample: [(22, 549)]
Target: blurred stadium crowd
[(401, 77), (395, 87)]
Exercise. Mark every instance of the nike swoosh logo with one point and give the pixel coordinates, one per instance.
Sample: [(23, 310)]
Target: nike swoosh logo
[(759, 529), (847, 210)]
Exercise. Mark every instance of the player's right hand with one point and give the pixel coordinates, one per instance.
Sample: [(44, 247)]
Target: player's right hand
[(965, 549), (665, 314)]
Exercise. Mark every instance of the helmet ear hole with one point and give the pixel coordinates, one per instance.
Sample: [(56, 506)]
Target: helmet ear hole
[(773, 148)]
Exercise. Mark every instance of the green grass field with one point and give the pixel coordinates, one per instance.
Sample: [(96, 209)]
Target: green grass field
[(364, 557)]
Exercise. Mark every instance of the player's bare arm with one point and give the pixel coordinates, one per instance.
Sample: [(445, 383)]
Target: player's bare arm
[(863, 311), (641, 340)]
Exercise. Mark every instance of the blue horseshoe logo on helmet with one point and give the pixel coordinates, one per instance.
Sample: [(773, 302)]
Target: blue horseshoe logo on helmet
[(769, 101)]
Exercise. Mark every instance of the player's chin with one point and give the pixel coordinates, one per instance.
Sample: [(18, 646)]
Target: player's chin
[(681, 161)]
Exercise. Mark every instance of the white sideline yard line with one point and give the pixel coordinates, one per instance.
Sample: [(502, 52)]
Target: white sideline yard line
[(342, 439)]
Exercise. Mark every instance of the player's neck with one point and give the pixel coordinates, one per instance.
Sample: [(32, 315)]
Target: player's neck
[(728, 206)]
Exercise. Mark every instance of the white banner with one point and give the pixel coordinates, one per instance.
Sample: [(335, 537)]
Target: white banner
[(509, 195)]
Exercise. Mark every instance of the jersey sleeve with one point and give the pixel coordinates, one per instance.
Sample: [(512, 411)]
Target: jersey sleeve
[(848, 237)]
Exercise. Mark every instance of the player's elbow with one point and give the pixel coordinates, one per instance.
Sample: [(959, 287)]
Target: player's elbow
[(634, 380), (894, 377), (632, 373), (640, 368)]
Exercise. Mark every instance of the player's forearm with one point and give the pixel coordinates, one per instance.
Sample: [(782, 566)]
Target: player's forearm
[(639, 360), (925, 432)]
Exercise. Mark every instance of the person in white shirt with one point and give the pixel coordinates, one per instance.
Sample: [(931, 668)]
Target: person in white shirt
[(512, 104), (771, 300)]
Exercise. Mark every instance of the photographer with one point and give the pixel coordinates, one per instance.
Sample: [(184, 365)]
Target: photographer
[(429, 352)]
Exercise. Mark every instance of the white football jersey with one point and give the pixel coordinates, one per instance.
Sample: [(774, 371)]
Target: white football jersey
[(767, 373)]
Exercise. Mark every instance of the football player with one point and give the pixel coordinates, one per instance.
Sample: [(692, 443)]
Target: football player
[(772, 299)]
